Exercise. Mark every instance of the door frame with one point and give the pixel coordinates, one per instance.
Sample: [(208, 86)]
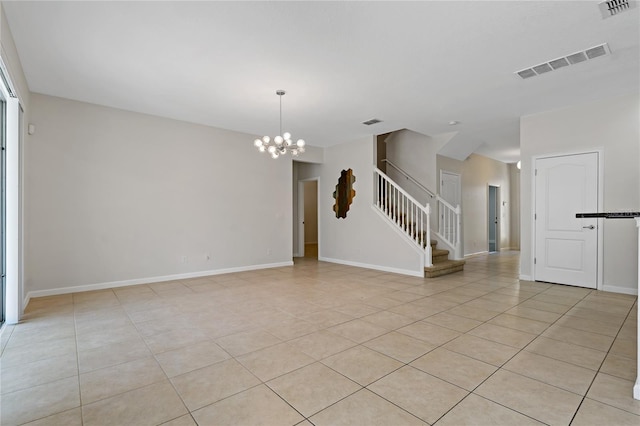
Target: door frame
[(600, 248), (498, 205), (301, 214)]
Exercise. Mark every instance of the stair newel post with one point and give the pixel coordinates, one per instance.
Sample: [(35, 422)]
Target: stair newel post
[(427, 250)]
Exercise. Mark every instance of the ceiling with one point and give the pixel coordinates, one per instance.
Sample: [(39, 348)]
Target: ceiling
[(414, 65)]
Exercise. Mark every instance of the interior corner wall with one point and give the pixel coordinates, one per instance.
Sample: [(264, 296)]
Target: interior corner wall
[(12, 61), (363, 238), (414, 153), (477, 173), (113, 196), (613, 126)]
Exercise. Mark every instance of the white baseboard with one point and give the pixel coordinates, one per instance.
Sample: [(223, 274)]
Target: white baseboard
[(479, 253), (622, 290), (149, 280), (374, 267), (636, 389), (525, 277)]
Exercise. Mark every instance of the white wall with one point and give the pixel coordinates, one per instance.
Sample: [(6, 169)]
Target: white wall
[(364, 238), (478, 172), (115, 196), (612, 125), (415, 153), (12, 61)]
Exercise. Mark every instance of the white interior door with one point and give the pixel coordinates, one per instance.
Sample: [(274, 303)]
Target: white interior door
[(450, 187), (566, 248), (450, 191)]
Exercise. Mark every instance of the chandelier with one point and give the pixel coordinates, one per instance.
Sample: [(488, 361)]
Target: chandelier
[(282, 143)]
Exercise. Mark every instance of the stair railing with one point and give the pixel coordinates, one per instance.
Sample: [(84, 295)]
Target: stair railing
[(450, 217), (410, 178), (409, 216), (449, 225)]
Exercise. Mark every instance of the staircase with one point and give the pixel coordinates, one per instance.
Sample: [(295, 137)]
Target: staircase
[(414, 221), (441, 264)]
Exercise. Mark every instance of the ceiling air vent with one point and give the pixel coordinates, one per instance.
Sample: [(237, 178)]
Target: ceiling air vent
[(574, 58), (594, 52), (527, 73), (541, 69), (559, 63), (613, 7), (372, 121)]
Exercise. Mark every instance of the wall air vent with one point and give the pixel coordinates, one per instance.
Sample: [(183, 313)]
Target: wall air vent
[(372, 121), (613, 7), (574, 58)]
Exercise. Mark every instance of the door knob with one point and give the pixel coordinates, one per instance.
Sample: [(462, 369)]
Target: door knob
[(589, 227)]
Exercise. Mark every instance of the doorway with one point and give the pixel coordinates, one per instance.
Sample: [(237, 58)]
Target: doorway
[(493, 218), (308, 217), (566, 248)]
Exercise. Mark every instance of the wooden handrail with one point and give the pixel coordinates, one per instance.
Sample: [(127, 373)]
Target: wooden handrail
[(408, 176)]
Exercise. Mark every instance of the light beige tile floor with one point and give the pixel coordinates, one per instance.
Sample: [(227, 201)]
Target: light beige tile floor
[(325, 344)]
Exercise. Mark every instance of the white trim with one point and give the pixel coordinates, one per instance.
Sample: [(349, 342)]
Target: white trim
[(523, 277), (374, 267), (622, 290), (534, 159), (636, 387), (478, 253), (149, 280), (13, 309)]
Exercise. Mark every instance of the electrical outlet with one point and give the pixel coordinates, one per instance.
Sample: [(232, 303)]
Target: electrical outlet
[(183, 259), (207, 257)]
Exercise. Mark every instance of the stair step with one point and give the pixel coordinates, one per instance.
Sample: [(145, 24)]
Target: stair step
[(444, 268), (438, 255)]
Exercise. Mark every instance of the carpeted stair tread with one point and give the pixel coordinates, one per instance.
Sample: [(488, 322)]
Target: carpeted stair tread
[(443, 268)]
